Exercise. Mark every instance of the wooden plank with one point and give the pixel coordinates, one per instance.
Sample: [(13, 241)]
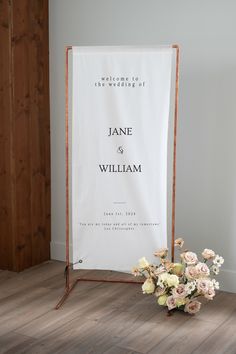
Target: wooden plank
[(184, 339), (223, 340), (39, 137), (88, 309), (211, 311), (118, 350), (54, 319), (21, 132), (152, 332), (114, 327), (6, 220), (45, 108), (14, 343), (35, 276), (17, 312)]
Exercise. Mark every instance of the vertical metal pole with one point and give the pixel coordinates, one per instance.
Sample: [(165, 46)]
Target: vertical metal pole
[(175, 46), (67, 270)]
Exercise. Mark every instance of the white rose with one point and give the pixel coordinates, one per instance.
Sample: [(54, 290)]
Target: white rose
[(143, 263), (189, 257), (148, 286), (208, 254), (162, 279)]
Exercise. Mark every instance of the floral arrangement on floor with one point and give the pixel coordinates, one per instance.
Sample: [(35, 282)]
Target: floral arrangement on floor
[(179, 285)]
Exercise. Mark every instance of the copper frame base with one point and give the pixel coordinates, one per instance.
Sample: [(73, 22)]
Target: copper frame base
[(69, 288)]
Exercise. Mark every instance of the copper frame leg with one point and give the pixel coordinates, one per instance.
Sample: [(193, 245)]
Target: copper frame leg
[(69, 288)]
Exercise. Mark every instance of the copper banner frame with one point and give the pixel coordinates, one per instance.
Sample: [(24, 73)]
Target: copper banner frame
[(69, 287)]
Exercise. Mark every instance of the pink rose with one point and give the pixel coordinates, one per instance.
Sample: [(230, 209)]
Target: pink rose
[(202, 269), (210, 294), (179, 242), (180, 291), (203, 285), (162, 253), (191, 273), (192, 307), (189, 257), (208, 254), (159, 291), (170, 302)]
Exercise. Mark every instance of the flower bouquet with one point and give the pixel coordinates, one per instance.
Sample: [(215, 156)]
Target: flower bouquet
[(179, 285)]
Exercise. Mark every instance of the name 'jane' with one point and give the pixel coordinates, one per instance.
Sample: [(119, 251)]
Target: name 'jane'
[(120, 131)]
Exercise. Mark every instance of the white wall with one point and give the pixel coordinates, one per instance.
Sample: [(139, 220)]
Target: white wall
[(206, 168)]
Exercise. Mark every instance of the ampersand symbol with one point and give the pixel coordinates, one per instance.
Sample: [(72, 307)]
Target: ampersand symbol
[(120, 150)]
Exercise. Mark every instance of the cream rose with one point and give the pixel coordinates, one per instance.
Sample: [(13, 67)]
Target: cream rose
[(202, 269), (189, 257), (172, 280), (162, 300), (192, 307), (143, 263), (163, 276), (208, 254), (148, 286), (180, 302), (177, 269)]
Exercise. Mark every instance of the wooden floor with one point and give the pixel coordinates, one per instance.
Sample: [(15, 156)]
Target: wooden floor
[(104, 318)]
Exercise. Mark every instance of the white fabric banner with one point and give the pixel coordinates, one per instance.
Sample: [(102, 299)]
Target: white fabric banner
[(120, 114)]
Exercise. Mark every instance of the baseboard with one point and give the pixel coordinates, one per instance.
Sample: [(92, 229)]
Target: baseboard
[(226, 278)]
